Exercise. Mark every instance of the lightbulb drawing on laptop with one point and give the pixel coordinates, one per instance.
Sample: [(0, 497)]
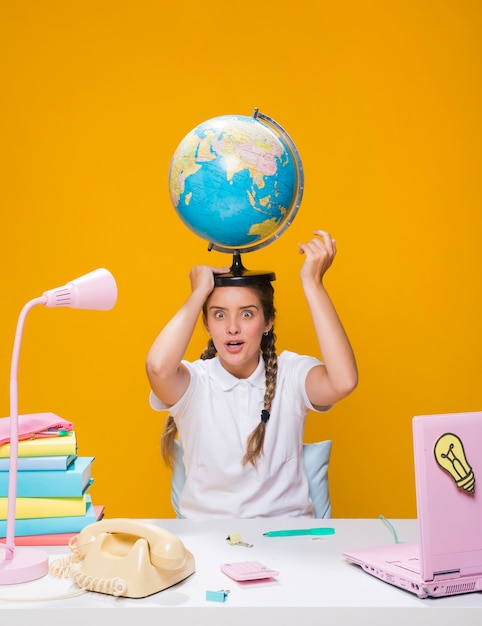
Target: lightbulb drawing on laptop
[(450, 455)]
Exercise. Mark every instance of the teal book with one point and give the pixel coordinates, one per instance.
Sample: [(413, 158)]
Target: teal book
[(58, 463), (70, 483), (52, 525)]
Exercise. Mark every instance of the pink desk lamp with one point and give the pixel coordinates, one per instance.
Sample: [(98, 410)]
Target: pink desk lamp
[(95, 291)]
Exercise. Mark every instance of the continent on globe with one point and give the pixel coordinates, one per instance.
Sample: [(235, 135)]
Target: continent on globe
[(236, 181)]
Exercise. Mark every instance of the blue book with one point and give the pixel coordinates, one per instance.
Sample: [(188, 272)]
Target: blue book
[(52, 525), (40, 462), (70, 483)]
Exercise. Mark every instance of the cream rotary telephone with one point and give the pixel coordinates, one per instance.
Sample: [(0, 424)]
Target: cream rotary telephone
[(124, 557)]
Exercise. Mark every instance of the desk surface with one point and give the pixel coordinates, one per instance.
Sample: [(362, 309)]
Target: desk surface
[(315, 586)]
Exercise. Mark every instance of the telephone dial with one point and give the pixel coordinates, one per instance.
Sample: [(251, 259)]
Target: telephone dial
[(125, 557)]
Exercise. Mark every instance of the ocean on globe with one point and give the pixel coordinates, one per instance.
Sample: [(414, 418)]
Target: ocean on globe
[(236, 181)]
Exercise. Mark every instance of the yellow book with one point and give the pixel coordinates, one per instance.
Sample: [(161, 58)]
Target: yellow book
[(30, 508), (43, 446)]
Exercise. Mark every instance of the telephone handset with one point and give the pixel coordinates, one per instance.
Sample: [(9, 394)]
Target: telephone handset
[(125, 557)]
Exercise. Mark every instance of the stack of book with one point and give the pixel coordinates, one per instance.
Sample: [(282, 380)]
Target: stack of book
[(52, 484)]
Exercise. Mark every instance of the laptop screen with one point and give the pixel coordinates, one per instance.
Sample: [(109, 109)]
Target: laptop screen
[(448, 471)]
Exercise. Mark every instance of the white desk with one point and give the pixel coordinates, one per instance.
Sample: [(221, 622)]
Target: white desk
[(315, 586)]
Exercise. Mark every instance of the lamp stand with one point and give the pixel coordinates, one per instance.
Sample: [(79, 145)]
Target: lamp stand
[(18, 565)]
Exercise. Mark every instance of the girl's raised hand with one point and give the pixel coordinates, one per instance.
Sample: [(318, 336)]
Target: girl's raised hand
[(202, 277), (319, 255)]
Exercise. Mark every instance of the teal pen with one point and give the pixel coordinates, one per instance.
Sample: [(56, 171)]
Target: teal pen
[(300, 531)]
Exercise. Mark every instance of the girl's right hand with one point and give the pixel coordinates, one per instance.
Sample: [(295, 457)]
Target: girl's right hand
[(202, 277)]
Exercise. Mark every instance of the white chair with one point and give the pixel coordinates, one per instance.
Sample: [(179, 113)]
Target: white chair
[(316, 457)]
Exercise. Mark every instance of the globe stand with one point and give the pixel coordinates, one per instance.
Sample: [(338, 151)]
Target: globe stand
[(239, 276)]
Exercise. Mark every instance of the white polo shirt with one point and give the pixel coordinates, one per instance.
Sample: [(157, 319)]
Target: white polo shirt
[(214, 418)]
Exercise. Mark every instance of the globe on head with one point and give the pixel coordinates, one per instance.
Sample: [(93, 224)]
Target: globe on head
[(237, 182)]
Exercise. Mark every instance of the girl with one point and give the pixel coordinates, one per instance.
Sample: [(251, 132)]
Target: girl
[(240, 418)]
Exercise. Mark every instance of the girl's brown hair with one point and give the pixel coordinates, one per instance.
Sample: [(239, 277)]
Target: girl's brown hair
[(254, 446)]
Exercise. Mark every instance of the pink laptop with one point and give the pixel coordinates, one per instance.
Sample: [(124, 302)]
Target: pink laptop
[(448, 477)]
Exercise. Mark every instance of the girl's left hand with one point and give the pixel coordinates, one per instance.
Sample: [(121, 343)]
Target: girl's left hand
[(319, 255)]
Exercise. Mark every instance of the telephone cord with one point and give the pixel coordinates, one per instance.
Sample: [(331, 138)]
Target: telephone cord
[(64, 566), (63, 596), (112, 586), (69, 567)]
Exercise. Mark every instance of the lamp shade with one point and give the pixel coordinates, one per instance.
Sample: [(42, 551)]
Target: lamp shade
[(96, 290)]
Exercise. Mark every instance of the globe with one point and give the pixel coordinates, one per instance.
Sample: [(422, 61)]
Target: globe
[(236, 181)]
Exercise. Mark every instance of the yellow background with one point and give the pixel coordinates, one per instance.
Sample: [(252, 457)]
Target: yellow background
[(383, 100)]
